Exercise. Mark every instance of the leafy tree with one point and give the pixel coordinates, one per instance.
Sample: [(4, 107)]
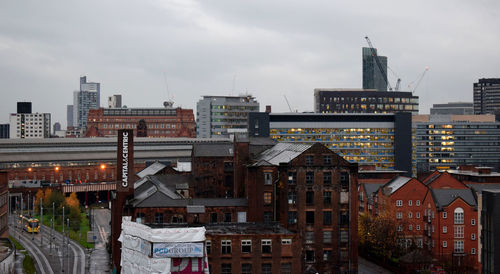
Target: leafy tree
[(39, 195), (72, 200), (46, 198), (75, 218)]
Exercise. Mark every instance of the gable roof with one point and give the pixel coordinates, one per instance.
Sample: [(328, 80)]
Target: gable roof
[(151, 169), (213, 150), (444, 197), (280, 153), (444, 177), (370, 190), (395, 184), (482, 187)]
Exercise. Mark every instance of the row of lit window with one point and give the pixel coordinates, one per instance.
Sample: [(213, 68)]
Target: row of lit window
[(149, 125), (372, 107), (371, 99)]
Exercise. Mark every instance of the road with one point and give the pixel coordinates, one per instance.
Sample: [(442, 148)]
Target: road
[(99, 257), (57, 257)]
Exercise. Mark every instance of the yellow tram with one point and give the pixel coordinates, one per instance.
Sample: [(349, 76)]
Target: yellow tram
[(30, 224)]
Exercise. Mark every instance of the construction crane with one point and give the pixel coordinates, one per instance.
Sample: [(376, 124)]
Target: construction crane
[(419, 79), (289, 107), (379, 64)]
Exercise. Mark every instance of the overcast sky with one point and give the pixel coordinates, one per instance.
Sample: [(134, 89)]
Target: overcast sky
[(264, 48)]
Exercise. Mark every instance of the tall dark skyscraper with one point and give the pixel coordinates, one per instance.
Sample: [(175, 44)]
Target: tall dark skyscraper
[(372, 77), (487, 96), (24, 107)]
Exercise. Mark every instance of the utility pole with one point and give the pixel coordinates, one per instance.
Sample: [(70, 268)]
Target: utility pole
[(41, 222), (52, 230), (62, 245), (67, 244)]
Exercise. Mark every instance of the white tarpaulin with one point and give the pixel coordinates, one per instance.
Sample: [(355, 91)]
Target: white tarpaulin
[(163, 235)]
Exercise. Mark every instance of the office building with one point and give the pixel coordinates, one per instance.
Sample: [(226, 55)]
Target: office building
[(219, 116), (69, 116), (363, 101), (451, 141), (453, 108), (487, 96), (490, 222), (146, 122), (88, 97), (57, 127), (115, 101), (373, 78), (381, 140), (29, 125), (4, 131)]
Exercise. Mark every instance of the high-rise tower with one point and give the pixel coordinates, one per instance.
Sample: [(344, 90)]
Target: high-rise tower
[(487, 96), (373, 78), (88, 97)]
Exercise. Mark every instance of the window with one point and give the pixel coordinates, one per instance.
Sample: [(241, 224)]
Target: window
[(458, 216), (344, 181), (458, 246), (268, 216), (226, 246), (400, 228), (327, 178), (418, 227), (309, 237), (410, 227), (458, 232), (399, 203), (158, 218), (327, 159), (410, 203), (445, 244), (213, 217), (225, 269), (327, 254), (309, 177), (266, 246), (473, 221), (246, 246), (309, 197), (310, 217), (267, 269), (292, 178), (417, 215), (227, 217), (286, 241), (473, 251), (292, 197), (309, 256), (418, 202), (473, 236), (327, 237), (445, 215), (309, 160), (268, 197), (445, 229), (208, 245), (327, 197), (399, 215), (286, 268), (246, 268), (292, 217), (268, 178), (410, 215), (327, 217)]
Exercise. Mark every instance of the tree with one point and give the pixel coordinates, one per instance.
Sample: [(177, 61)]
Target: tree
[(46, 197), (75, 218), (39, 195), (57, 198), (72, 200)]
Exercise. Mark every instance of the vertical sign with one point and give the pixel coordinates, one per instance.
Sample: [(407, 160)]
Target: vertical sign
[(125, 160)]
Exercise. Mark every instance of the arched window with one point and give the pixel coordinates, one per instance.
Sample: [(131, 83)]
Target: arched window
[(458, 215)]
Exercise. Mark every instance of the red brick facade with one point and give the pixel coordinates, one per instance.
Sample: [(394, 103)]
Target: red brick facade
[(4, 206)]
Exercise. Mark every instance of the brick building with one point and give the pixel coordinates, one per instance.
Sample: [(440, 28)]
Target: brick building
[(148, 122), (309, 190)]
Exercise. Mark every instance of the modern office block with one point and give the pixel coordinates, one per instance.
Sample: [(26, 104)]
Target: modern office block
[(69, 116), (4, 131), (363, 101), (451, 141), (487, 96), (29, 125), (490, 222), (373, 78), (453, 108), (218, 116), (380, 140), (88, 97), (115, 101)]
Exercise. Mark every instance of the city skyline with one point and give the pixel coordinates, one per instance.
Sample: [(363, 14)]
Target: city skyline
[(150, 51)]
